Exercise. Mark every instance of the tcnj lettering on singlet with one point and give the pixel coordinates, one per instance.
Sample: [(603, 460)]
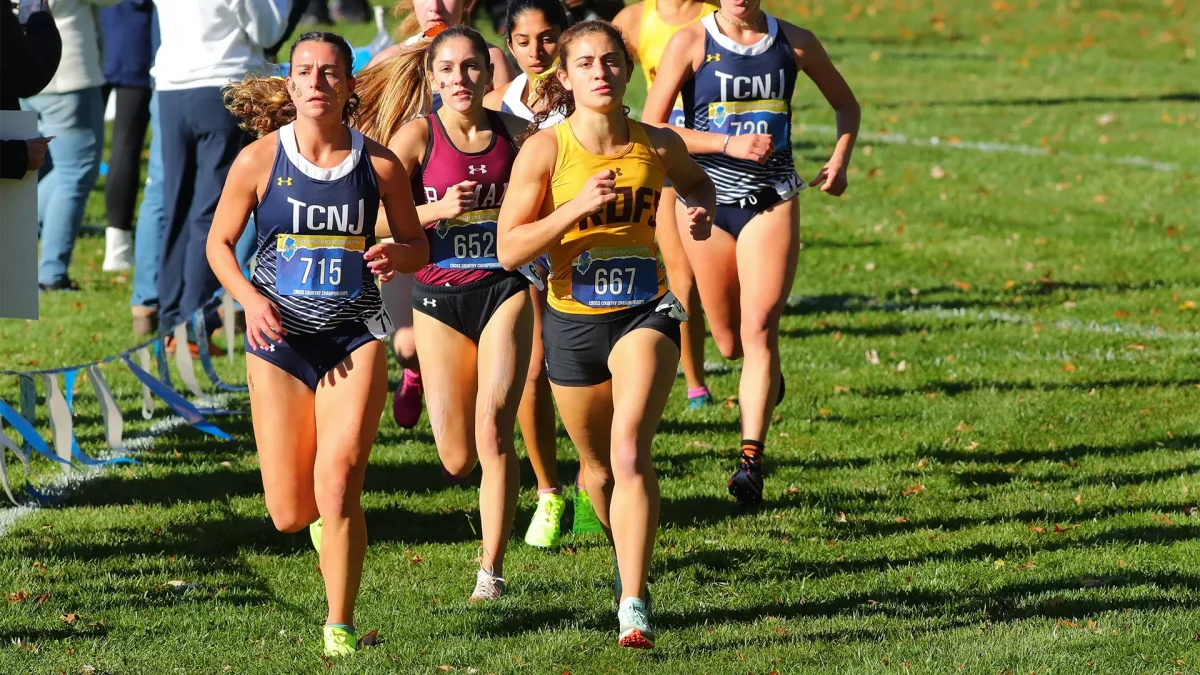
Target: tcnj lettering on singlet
[(317, 218), (490, 200), (756, 87), (629, 207)]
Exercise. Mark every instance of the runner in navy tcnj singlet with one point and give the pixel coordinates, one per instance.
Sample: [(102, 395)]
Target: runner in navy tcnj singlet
[(736, 70), (316, 369), (473, 320)]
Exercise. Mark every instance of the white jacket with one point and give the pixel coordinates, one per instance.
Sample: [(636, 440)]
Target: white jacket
[(82, 63), (209, 43)]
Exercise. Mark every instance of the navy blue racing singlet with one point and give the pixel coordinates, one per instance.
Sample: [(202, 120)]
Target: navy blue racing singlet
[(313, 226), (745, 89)]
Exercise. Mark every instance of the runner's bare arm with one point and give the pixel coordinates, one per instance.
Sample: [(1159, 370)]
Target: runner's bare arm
[(694, 186), (395, 193), (244, 186), (673, 73), (812, 59), (629, 20), (409, 144), (522, 234)]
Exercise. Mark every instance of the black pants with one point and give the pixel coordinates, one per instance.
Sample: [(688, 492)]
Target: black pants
[(125, 156), (200, 140)]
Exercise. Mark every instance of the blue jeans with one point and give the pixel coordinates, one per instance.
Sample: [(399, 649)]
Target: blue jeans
[(148, 234), (76, 121), (200, 140)]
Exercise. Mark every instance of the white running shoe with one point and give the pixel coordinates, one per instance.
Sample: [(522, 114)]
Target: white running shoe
[(118, 250), (488, 587)]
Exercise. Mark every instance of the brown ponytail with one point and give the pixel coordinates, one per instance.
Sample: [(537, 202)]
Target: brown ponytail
[(551, 90)]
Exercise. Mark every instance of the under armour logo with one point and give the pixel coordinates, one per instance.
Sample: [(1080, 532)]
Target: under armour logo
[(429, 302), (617, 170), (709, 58), (482, 168), (283, 180)]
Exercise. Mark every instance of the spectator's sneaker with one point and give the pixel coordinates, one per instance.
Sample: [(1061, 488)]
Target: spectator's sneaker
[(340, 640), (586, 521), (406, 403), (544, 530), (488, 586), (634, 619), (118, 250), (746, 484), (63, 284)]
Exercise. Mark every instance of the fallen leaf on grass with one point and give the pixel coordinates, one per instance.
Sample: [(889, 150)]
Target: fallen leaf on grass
[(227, 464), (18, 597), (1189, 304), (922, 463), (70, 618), (731, 403), (446, 667), (698, 444), (1037, 528), (1069, 367), (916, 489), (1163, 519), (1137, 347), (1078, 499), (902, 366), (1027, 566), (901, 519), (962, 285), (937, 172), (1059, 529), (973, 445), (825, 412), (873, 357), (369, 640), (842, 517), (999, 563), (962, 426), (839, 389), (43, 598)]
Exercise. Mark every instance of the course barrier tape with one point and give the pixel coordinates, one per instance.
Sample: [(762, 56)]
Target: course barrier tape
[(59, 400)]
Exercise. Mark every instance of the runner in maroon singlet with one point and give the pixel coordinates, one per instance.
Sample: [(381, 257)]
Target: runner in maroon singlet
[(473, 320)]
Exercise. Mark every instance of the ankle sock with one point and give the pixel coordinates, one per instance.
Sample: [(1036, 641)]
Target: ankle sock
[(697, 392), (412, 377), (752, 448), (348, 629), (551, 491)]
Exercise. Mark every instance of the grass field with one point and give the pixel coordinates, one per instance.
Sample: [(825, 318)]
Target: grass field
[(988, 461)]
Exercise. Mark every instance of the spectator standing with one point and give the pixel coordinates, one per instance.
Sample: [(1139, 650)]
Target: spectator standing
[(128, 53), (205, 45), (71, 109), (147, 239), (29, 55)]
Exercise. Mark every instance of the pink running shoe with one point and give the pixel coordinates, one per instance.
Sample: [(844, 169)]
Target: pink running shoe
[(406, 403)]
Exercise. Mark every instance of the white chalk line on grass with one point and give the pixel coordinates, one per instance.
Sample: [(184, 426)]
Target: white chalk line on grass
[(994, 147), (994, 316), (65, 482)]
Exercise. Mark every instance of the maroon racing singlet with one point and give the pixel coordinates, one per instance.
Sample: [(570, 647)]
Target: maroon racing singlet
[(463, 249)]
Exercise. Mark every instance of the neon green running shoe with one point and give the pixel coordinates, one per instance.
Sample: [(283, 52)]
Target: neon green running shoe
[(314, 533), (586, 521), (544, 531), (340, 640)]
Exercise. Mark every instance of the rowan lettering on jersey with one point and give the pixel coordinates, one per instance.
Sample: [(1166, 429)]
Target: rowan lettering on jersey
[(627, 209), (492, 199), (318, 218)]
